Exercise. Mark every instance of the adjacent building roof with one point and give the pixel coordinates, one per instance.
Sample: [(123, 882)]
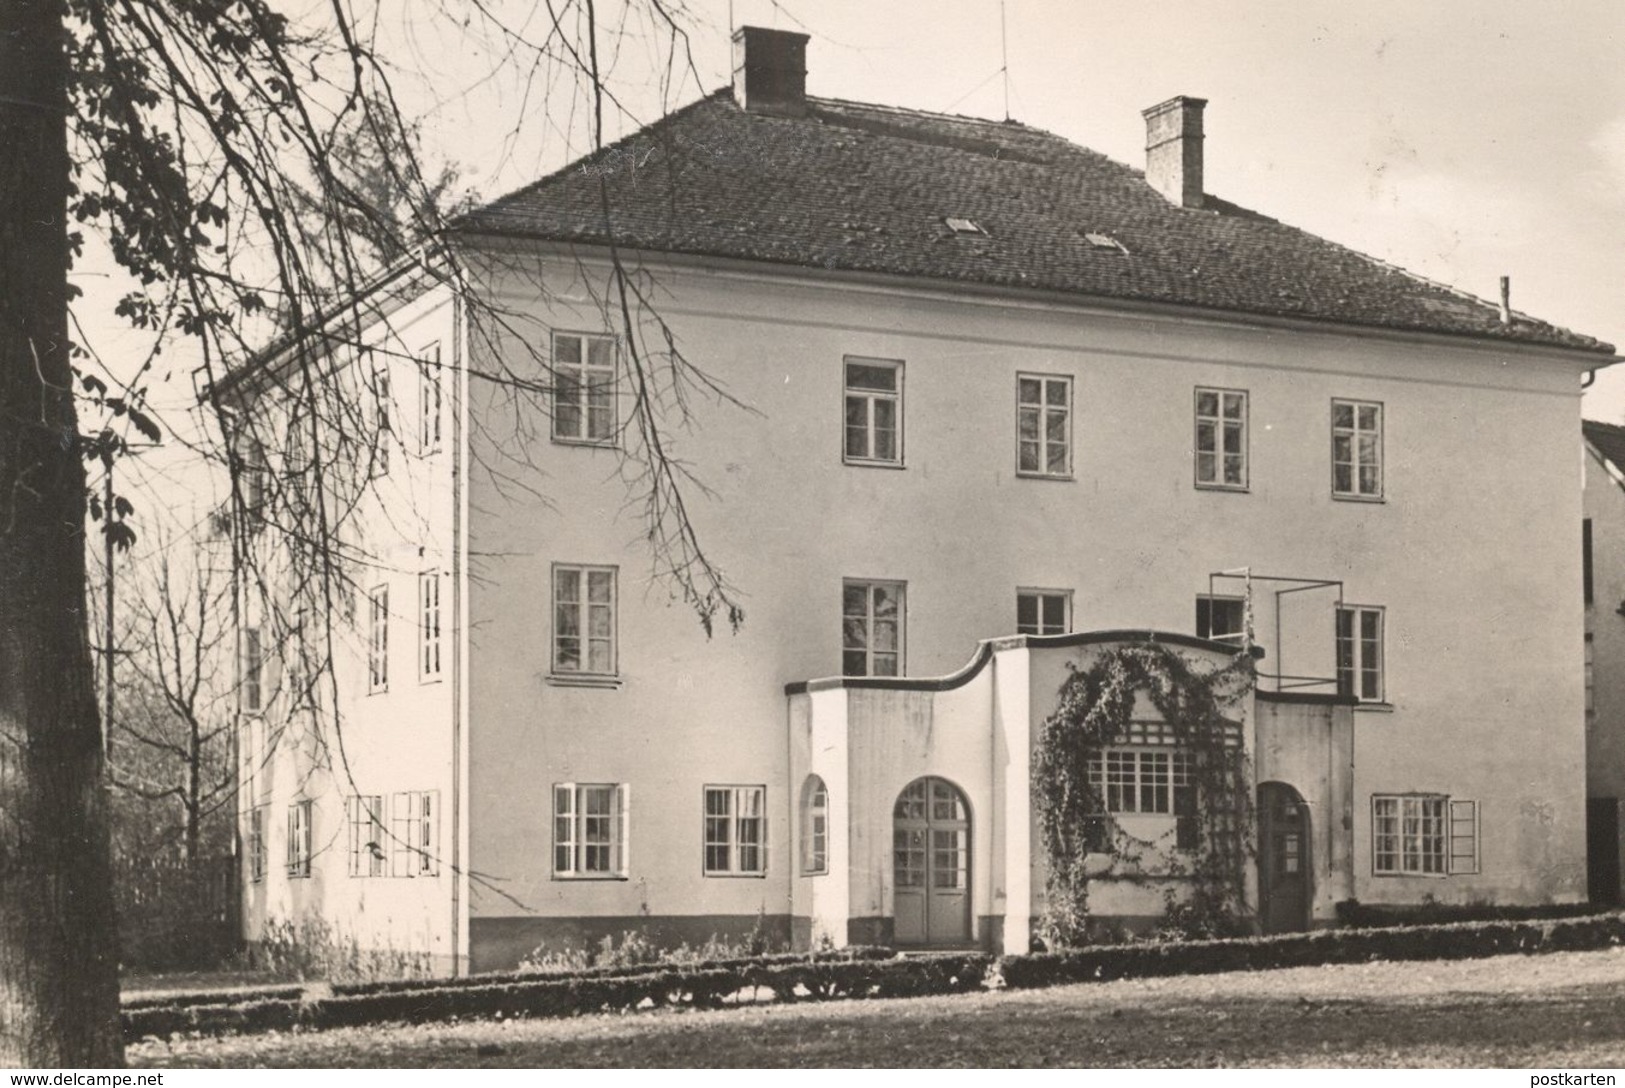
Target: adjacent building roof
[(860, 188), (1608, 439)]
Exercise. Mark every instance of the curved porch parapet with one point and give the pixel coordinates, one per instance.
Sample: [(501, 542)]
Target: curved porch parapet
[(985, 650)]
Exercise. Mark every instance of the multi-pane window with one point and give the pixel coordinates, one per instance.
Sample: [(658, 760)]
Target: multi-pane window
[(299, 838), (1043, 425), (253, 670), (589, 830), (429, 625), (429, 400), (735, 830), (583, 388), (1222, 619), (874, 412), (872, 628), (584, 620), (1426, 834), (1146, 781), (1356, 449), (414, 822), (1043, 612), (256, 843), (1221, 438), (1359, 653), (378, 639), (814, 827), (366, 820)]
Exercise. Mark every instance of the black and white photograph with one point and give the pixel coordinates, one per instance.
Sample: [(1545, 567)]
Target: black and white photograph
[(734, 534)]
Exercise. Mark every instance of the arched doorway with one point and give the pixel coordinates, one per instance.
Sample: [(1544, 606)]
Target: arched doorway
[(1285, 873), (931, 864)]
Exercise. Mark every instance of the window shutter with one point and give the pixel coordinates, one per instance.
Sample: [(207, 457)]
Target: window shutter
[(623, 814), (761, 811), (429, 837), (1464, 837), (400, 834), (293, 838), (564, 822)]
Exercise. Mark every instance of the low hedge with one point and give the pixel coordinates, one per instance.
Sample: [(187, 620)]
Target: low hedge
[(214, 997), (1358, 915), (1462, 940), (497, 978), (552, 996)]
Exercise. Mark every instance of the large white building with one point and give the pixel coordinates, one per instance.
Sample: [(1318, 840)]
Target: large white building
[(994, 404)]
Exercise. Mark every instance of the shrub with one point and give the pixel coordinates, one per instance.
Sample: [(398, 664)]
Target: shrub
[(1463, 940), (311, 948), (1353, 913), (801, 978)]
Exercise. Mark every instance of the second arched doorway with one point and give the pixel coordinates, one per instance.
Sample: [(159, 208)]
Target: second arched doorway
[(1285, 873), (931, 864)]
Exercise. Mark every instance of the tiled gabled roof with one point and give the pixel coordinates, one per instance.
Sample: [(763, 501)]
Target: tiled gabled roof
[(1608, 439), (868, 189)]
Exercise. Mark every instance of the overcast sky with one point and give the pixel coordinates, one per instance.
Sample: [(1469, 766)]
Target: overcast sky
[(1461, 139)]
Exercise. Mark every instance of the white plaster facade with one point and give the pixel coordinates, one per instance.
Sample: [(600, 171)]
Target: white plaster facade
[(1480, 610)]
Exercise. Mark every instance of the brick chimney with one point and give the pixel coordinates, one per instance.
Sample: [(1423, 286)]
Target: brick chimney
[(770, 70), (1173, 149)]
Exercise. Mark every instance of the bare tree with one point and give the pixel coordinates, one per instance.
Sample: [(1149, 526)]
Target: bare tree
[(200, 141), (179, 695)]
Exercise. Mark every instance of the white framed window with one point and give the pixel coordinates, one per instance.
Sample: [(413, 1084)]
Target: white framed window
[(365, 816), (414, 839), (299, 838), (1360, 652), (429, 400), (378, 639), (584, 388), (1043, 611), (1221, 438), (1043, 425), (1222, 619), (429, 625), (735, 830), (590, 830), (1425, 834), (1146, 781), (1356, 449), (584, 620), (253, 671), (814, 827), (874, 412), (255, 846), (872, 622)]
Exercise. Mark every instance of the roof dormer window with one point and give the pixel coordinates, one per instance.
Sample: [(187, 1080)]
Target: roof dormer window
[(1098, 240), (964, 226)]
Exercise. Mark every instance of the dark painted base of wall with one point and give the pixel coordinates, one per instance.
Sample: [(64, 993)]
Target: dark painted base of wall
[(883, 932), (499, 944)]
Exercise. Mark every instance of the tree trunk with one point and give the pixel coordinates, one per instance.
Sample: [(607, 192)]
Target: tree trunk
[(58, 944)]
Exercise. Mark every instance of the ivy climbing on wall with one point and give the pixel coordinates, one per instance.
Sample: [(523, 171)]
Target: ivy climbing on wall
[(1210, 856)]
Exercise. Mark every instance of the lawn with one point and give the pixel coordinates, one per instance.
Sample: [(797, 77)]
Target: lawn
[(1564, 1009)]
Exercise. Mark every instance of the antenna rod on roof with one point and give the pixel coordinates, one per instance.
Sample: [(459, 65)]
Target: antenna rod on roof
[(1506, 300), (1004, 57)]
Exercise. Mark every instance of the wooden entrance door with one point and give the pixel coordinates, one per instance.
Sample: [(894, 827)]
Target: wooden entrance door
[(931, 864), (1285, 882)]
